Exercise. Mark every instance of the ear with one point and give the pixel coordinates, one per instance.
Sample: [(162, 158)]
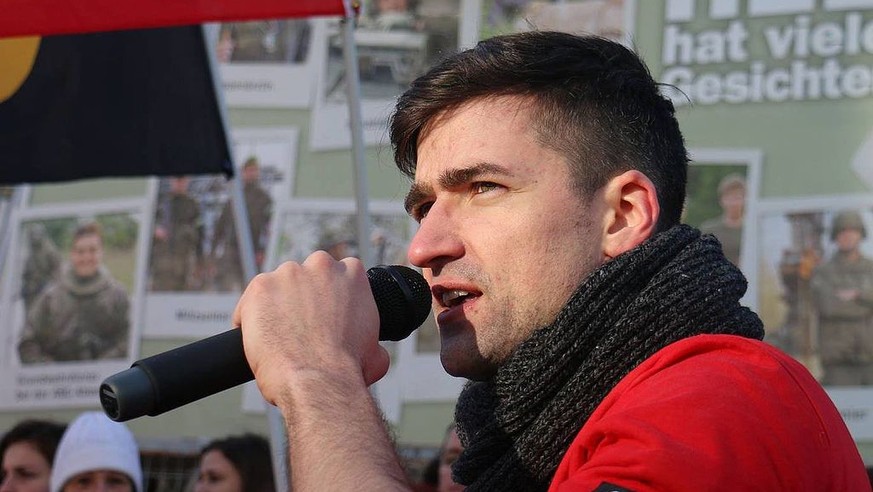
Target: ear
[(632, 211)]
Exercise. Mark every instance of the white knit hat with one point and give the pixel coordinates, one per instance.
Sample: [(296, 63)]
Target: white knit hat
[(94, 442)]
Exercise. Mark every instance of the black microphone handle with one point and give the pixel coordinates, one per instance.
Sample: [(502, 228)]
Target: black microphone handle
[(171, 379), (168, 380)]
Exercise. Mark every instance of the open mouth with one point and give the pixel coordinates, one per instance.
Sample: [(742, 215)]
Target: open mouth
[(455, 297)]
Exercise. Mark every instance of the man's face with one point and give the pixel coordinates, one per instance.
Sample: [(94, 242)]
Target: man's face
[(732, 202), (179, 185), (251, 174), (86, 255), (848, 240), (504, 239)]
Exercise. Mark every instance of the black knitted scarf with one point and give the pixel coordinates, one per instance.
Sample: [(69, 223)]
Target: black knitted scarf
[(517, 426)]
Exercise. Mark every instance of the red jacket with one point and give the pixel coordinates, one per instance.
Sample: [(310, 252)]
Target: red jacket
[(714, 412)]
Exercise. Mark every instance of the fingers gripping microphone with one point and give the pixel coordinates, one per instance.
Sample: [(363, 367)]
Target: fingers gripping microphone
[(180, 376)]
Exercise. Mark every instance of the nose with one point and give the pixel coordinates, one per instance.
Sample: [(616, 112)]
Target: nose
[(438, 240)]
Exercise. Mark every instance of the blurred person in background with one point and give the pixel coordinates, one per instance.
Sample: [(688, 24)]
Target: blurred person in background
[(97, 454), (843, 294), (728, 227), (177, 250), (236, 464), (26, 454), (225, 250), (449, 452), (84, 315)]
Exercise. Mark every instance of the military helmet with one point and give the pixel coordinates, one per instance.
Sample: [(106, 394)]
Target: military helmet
[(848, 220)]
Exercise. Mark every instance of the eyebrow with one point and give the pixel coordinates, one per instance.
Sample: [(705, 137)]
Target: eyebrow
[(451, 178)]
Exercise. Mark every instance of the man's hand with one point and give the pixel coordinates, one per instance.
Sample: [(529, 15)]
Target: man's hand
[(314, 318), (311, 337)]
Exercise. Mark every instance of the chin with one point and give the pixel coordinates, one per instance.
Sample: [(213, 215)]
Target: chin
[(472, 368)]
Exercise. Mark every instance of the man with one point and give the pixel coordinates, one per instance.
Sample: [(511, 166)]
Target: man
[(607, 343), (225, 249), (177, 251), (728, 227), (843, 293), (85, 314)]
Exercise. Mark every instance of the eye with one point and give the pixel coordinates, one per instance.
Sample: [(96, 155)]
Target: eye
[(484, 187), (420, 211), (116, 479), (83, 481)]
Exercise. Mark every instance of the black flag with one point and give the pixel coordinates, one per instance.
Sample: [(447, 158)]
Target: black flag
[(122, 103)]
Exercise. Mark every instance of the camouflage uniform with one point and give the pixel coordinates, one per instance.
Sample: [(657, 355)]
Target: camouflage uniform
[(224, 246), (729, 237), (728, 232), (174, 259), (41, 267), (78, 319), (845, 326)]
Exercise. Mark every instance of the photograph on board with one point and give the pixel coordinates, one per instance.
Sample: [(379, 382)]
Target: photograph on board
[(195, 270), (608, 18), (76, 283), (72, 292), (716, 204), (816, 287), (396, 41), (306, 226), (266, 63)]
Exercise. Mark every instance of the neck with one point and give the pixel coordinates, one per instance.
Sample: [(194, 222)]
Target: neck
[(518, 425)]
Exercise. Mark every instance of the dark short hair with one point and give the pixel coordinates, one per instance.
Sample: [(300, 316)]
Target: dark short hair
[(44, 435), (594, 101), (250, 455)]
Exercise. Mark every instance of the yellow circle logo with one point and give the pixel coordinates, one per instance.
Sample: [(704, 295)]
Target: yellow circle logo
[(16, 61)]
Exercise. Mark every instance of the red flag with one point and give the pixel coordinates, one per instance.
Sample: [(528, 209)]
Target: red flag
[(44, 17)]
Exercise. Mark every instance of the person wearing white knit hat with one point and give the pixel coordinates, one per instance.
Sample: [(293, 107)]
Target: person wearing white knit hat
[(96, 454)]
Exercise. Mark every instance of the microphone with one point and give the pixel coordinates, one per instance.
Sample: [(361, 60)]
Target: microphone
[(168, 380)]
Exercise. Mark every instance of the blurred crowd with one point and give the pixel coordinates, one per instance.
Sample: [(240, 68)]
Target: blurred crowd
[(96, 454)]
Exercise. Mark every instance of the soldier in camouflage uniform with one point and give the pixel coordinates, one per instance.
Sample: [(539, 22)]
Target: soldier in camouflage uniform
[(843, 292), (82, 316), (42, 266), (728, 227), (225, 250), (176, 244)]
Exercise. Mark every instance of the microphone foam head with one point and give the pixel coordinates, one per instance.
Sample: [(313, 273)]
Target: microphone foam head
[(402, 297)]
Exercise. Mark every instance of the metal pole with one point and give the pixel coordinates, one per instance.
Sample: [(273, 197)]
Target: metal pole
[(356, 126), (278, 439)]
